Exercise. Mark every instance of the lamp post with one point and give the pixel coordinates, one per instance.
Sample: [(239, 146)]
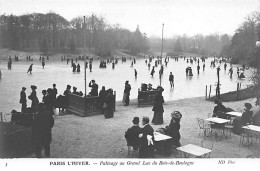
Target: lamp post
[(161, 57), (218, 84), (84, 44), (257, 44)]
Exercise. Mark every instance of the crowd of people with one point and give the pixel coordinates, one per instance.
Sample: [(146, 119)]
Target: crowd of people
[(142, 139)]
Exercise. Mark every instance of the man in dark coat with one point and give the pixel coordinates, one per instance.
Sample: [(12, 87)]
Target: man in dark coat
[(54, 91), (219, 110), (23, 100), (41, 131), (44, 93), (94, 86), (127, 93), (132, 134), (146, 140)]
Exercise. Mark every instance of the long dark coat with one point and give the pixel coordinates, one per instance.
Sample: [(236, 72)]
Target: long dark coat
[(158, 103), (146, 151), (41, 130), (33, 97), (23, 97), (173, 130), (109, 111)]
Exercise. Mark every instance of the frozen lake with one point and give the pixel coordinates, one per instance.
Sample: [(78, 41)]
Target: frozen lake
[(61, 74)]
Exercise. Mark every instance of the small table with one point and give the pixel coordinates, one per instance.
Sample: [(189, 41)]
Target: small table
[(160, 143), (217, 120), (252, 127), (238, 114), (160, 137), (191, 149)]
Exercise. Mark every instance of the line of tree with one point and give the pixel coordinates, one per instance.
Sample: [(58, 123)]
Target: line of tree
[(243, 43), (52, 33), (205, 45)]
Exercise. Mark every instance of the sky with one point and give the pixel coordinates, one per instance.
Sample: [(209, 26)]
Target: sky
[(180, 17)]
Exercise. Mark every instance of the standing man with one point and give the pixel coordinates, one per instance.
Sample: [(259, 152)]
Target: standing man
[(203, 66), (43, 62), (171, 79), (135, 74), (94, 88), (231, 71), (54, 92), (146, 140), (41, 131), (90, 66), (198, 69), (23, 100), (127, 93), (132, 134), (225, 66)]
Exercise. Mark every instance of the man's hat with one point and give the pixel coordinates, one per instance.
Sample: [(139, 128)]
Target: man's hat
[(136, 120), (126, 82), (33, 87), (68, 86), (24, 88), (44, 91)]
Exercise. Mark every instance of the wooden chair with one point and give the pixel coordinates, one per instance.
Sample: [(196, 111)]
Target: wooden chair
[(205, 127)]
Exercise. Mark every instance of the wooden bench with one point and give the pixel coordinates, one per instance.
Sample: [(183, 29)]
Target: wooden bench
[(146, 97), (85, 106)]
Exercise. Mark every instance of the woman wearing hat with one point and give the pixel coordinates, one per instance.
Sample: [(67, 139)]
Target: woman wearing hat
[(33, 97), (173, 130), (247, 114), (246, 118), (158, 107)]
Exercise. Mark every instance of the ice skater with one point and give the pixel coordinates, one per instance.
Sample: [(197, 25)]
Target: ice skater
[(135, 74), (30, 69), (171, 79)]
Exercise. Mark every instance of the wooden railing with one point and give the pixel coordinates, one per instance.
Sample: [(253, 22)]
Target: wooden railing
[(85, 106), (146, 97)]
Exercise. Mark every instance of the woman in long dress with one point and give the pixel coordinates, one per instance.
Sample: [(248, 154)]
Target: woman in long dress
[(33, 97), (109, 104), (158, 107)]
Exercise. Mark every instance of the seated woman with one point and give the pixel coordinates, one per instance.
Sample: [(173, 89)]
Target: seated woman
[(219, 110), (246, 118), (247, 115), (173, 130)]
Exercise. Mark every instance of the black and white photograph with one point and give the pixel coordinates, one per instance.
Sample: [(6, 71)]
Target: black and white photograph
[(173, 80)]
